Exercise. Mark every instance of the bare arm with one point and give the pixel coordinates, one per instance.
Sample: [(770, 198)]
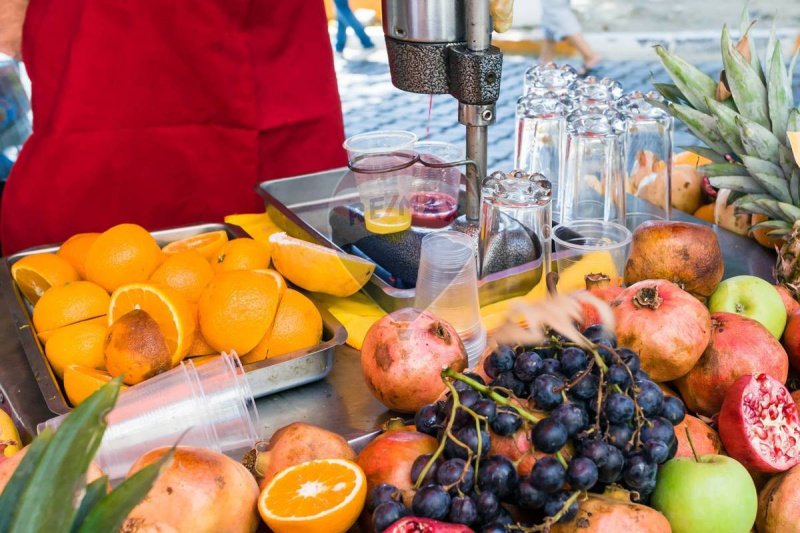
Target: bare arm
[(12, 15)]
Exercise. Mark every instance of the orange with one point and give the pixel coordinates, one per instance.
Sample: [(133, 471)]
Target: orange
[(81, 382), (760, 235), (44, 336), (135, 348), (123, 254), (705, 212), (70, 303), (236, 310), (186, 272), (207, 244), (176, 318), (75, 249), (691, 159), (324, 496), (36, 273), (242, 254), (200, 346), (76, 344)]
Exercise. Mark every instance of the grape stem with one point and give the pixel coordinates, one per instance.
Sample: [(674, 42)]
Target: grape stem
[(691, 445), (448, 431), (548, 522), (488, 391), (561, 460)]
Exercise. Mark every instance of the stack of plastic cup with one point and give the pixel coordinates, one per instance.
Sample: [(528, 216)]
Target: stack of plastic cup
[(447, 286), (208, 406)]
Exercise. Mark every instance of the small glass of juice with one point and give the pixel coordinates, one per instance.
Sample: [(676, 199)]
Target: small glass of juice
[(434, 191), (382, 163)]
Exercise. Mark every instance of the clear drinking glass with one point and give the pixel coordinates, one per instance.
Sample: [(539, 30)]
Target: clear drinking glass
[(434, 191), (593, 95), (602, 244), (541, 79), (521, 197), (381, 162), (541, 138), (648, 145), (593, 184), (447, 286)]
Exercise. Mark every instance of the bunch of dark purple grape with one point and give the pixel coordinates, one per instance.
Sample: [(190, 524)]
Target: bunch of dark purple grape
[(597, 415)]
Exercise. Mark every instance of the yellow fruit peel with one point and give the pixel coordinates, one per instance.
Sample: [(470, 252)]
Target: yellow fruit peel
[(794, 141), (9, 436)]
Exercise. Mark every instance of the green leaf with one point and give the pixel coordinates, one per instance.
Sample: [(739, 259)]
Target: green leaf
[(670, 92), (794, 186), (775, 186), (702, 151), (792, 212), (792, 63), (749, 198), (20, 480), (111, 511), (786, 160), (793, 123), (780, 210), (754, 165), (60, 475), (757, 140), (766, 207), (779, 94), (745, 184), (96, 490), (749, 92), (771, 225), (726, 122), (745, 25), (692, 82), (724, 169), (703, 126), (771, 41)]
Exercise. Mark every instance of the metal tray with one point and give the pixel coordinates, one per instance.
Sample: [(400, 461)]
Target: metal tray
[(265, 377), (301, 206)]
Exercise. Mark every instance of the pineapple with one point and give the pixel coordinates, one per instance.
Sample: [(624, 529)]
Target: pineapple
[(48, 492)]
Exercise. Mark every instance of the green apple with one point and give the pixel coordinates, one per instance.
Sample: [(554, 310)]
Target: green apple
[(712, 494), (752, 297)]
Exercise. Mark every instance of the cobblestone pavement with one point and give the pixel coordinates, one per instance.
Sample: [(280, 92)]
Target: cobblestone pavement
[(370, 102)]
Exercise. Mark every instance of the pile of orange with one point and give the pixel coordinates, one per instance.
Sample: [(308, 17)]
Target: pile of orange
[(117, 303)]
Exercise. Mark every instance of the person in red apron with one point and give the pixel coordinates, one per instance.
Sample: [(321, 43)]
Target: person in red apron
[(167, 113)]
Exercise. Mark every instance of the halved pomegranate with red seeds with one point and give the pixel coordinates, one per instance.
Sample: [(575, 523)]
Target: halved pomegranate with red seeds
[(413, 524), (759, 424)]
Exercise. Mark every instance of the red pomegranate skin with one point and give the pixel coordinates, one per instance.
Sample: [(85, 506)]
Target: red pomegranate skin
[(706, 441), (739, 346), (791, 339), (389, 457), (590, 315), (413, 524), (789, 302), (779, 504), (668, 327), (403, 355), (759, 424)]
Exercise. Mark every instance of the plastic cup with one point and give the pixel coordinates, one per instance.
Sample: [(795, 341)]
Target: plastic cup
[(592, 246), (434, 191), (447, 286), (381, 162), (208, 406)]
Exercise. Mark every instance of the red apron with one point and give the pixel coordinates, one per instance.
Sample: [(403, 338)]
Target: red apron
[(167, 112)]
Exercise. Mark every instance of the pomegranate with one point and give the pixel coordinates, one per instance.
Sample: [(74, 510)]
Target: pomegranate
[(796, 398), (779, 504), (200, 490), (706, 441), (388, 458), (598, 285), (666, 325), (738, 346), (614, 511), (791, 339), (413, 524), (759, 424), (789, 301), (684, 253), (298, 443), (9, 464), (403, 355)]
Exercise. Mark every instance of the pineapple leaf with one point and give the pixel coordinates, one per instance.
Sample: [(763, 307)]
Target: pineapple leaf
[(768, 207), (95, 491), (792, 212), (779, 94), (794, 186), (745, 184), (670, 92), (749, 92), (786, 160), (726, 121), (793, 123), (11, 496), (771, 225), (780, 210), (60, 475), (693, 83), (775, 186), (751, 198), (703, 126), (778, 233), (755, 165), (724, 169), (792, 63), (745, 25), (755, 209), (702, 151), (757, 140), (771, 41), (111, 511)]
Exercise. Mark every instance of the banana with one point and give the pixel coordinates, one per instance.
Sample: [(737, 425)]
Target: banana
[(9, 435)]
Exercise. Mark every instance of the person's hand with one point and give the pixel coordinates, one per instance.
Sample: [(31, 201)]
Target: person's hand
[(12, 15), (502, 13)]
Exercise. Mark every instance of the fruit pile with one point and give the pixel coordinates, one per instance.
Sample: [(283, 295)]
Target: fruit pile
[(116, 303), (593, 417)]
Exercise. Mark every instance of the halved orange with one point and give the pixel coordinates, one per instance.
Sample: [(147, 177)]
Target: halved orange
[(36, 273), (323, 496), (206, 244), (175, 316), (80, 382)]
